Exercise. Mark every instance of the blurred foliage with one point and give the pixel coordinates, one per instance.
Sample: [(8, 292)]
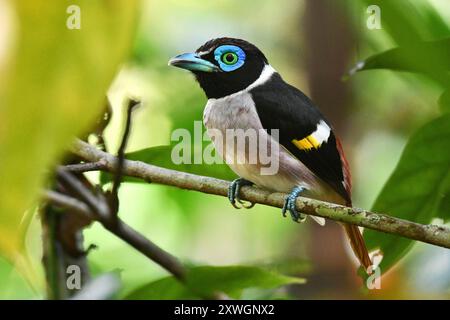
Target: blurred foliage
[(205, 281), (53, 86), (52, 89), (418, 190)]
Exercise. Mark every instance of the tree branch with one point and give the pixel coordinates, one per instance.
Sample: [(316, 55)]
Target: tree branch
[(122, 231), (85, 167), (433, 234)]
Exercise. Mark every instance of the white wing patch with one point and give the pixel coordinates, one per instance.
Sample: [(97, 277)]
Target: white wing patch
[(322, 132)]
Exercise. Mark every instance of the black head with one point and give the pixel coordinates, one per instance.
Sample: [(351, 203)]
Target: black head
[(223, 66)]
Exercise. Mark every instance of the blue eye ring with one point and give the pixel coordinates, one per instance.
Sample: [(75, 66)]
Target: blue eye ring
[(229, 57)]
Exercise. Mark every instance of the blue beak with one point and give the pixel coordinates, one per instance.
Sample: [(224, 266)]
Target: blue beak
[(190, 61)]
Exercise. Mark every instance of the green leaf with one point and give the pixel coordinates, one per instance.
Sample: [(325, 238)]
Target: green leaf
[(206, 280), (53, 82), (428, 57), (290, 266), (444, 101), (410, 21), (161, 156), (418, 189), (164, 289)]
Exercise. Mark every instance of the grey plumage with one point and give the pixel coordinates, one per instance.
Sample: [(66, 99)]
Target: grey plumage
[(237, 111)]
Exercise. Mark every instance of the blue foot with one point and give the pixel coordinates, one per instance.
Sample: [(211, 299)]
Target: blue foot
[(233, 193), (289, 205)]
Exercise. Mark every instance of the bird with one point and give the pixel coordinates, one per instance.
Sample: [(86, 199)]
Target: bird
[(245, 92)]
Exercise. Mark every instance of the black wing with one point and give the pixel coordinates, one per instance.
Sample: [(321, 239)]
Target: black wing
[(284, 107)]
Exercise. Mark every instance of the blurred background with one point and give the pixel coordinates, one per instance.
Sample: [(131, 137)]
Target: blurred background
[(313, 44)]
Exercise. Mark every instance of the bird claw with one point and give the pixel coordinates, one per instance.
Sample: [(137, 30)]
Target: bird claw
[(233, 193), (289, 205)]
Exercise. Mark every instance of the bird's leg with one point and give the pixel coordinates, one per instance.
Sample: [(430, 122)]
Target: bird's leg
[(289, 205), (233, 193)]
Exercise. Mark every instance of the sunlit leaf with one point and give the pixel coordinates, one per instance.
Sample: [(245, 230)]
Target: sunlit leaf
[(53, 85), (207, 280), (428, 57), (418, 190)]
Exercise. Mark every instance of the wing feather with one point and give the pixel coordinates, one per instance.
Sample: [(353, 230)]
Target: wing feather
[(284, 107)]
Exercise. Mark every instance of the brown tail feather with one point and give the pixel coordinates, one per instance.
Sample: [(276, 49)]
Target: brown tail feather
[(353, 233), (358, 245)]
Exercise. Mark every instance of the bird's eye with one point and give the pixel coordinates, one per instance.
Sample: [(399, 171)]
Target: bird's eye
[(230, 58)]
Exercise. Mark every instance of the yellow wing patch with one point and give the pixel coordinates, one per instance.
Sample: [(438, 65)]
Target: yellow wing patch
[(307, 143)]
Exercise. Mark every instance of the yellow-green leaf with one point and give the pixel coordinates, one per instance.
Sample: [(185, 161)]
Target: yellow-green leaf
[(53, 84)]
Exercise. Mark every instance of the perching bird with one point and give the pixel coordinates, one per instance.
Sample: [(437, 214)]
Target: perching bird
[(245, 92)]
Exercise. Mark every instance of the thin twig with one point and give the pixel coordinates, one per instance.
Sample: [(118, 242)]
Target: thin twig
[(68, 202), (95, 204), (132, 104), (433, 234), (85, 167), (124, 232)]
